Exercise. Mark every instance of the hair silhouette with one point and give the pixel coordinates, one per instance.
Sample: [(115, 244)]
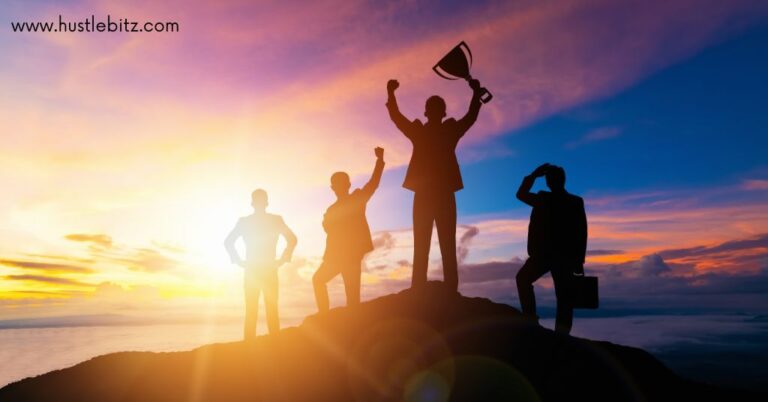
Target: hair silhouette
[(555, 178), (259, 199), (340, 183), (434, 108)]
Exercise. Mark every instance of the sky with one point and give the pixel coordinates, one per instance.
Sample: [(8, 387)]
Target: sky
[(126, 158)]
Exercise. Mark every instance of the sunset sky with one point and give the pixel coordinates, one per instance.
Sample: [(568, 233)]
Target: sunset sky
[(125, 158)]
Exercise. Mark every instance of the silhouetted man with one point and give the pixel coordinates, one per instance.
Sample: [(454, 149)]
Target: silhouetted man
[(434, 176), (260, 232), (348, 235), (557, 242)]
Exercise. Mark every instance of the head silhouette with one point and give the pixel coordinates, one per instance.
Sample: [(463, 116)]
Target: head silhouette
[(340, 183), (556, 178), (434, 109), (259, 200)]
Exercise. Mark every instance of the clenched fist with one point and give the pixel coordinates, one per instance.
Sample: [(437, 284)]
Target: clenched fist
[(392, 85)]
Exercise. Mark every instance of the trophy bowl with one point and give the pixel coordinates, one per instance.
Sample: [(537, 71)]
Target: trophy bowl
[(456, 64)]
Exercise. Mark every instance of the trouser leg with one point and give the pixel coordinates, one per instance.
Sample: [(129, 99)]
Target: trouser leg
[(532, 270), (252, 292), (446, 234), (423, 217), (564, 292), (351, 276), (271, 292), (325, 273)]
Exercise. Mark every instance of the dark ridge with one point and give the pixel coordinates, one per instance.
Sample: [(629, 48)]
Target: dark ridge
[(427, 345)]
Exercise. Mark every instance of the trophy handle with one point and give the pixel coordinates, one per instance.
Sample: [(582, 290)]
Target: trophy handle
[(485, 95)]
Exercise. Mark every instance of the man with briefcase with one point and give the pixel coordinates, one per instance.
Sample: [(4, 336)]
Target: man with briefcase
[(557, 243)]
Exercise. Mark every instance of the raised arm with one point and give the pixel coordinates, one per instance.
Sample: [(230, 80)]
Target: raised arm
[(229, 244), (370, 187), (524, 193), (290, 238), (402, 122), (474, 109)]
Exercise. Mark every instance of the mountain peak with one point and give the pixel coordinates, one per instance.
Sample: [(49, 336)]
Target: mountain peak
[(428, 345)]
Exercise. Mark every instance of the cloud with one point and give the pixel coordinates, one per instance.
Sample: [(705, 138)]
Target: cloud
[(141, 259), (44, 266), (645, 286), (598, 134), (648, 265), (465, 241), (64, 301), (384, 241), (80, 260), (172, 248), (664, 288), (759, 243), (50, 275), (755, 184), (675, 280), (604, 252), (743, 256), (489, 272), (726, 276), (147, 260), (395, 250), (116, 292), (677, 224), (38, 294), (47, 279), (100, 240)]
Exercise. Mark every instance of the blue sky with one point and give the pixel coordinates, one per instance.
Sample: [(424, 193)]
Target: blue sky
[(695, 125), (699, 123)]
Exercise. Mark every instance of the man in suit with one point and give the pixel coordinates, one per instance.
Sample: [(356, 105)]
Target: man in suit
[(557, 242), (260, 232), (434, 176), (348, 235)]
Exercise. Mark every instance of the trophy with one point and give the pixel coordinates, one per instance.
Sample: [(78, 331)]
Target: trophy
[(456, 64)]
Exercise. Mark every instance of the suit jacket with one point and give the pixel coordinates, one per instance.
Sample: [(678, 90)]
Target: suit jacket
[(558, 227), (433, 166)]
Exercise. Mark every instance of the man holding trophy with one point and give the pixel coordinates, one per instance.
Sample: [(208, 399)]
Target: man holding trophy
[(434, 176)]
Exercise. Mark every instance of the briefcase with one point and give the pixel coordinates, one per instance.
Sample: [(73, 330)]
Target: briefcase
[(585, 292)]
